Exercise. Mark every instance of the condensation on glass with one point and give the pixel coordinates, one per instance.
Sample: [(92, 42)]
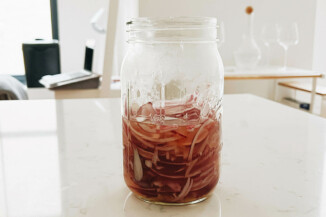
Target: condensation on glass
[(172, 88)]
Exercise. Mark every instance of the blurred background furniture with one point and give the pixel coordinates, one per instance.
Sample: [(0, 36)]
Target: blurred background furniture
[(91, 81), (81, 79), (40, 58), (276, 74), (109, 44), (11, 89), (306, 87)]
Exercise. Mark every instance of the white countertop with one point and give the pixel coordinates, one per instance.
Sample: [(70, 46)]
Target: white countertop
[(64, 158)]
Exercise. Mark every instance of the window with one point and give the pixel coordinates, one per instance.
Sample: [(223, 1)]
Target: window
[(21, 20)]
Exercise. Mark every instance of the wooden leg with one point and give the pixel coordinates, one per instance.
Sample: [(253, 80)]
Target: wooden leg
[(313, 94), (275, 89), (323, 107)]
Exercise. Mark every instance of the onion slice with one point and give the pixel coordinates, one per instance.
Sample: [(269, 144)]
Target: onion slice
[(138, 169), (153, 139), (191, 165), (195, 138), (185, 190)]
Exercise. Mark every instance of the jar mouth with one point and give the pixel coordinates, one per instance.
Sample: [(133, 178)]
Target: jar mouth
[(172, 29), (171, 23)]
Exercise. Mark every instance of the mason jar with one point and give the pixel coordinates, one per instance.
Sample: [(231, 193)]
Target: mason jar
[(171, 92)]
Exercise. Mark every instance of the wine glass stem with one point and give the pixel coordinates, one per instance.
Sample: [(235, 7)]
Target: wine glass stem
[(285, 57)]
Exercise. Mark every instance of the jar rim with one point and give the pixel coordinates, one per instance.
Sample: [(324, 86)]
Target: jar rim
[(171, 23)]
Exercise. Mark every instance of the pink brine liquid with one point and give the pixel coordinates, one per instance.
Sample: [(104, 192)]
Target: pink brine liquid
[(172, 161)]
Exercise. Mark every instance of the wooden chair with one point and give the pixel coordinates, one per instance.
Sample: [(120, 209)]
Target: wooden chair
[(306, 87)]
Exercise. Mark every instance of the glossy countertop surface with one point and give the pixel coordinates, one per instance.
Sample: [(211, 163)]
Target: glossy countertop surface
[(64, 159)]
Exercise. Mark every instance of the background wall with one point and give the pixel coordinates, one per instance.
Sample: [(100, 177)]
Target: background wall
[(319, 62), (75, 29), (310, 53), (231, 12), (310, 15)]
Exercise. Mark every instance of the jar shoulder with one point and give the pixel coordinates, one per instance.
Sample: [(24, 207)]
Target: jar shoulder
[(184, 62)]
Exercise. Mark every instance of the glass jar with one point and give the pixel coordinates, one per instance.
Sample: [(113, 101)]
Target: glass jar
[(172, 88)]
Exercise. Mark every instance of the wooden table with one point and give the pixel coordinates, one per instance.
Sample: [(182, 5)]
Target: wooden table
[(276, 74), (63, 158)]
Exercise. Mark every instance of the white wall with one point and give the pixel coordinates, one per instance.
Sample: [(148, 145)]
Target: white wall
[(127, 9), (320, 39), (75, 15), (231, 12), (75, 29)]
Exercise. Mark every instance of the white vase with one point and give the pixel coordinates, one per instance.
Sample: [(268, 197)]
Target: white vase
[(247, 56)]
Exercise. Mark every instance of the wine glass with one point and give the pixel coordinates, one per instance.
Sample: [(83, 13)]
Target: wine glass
[(288, 35), (269, 36), (220, 34)]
